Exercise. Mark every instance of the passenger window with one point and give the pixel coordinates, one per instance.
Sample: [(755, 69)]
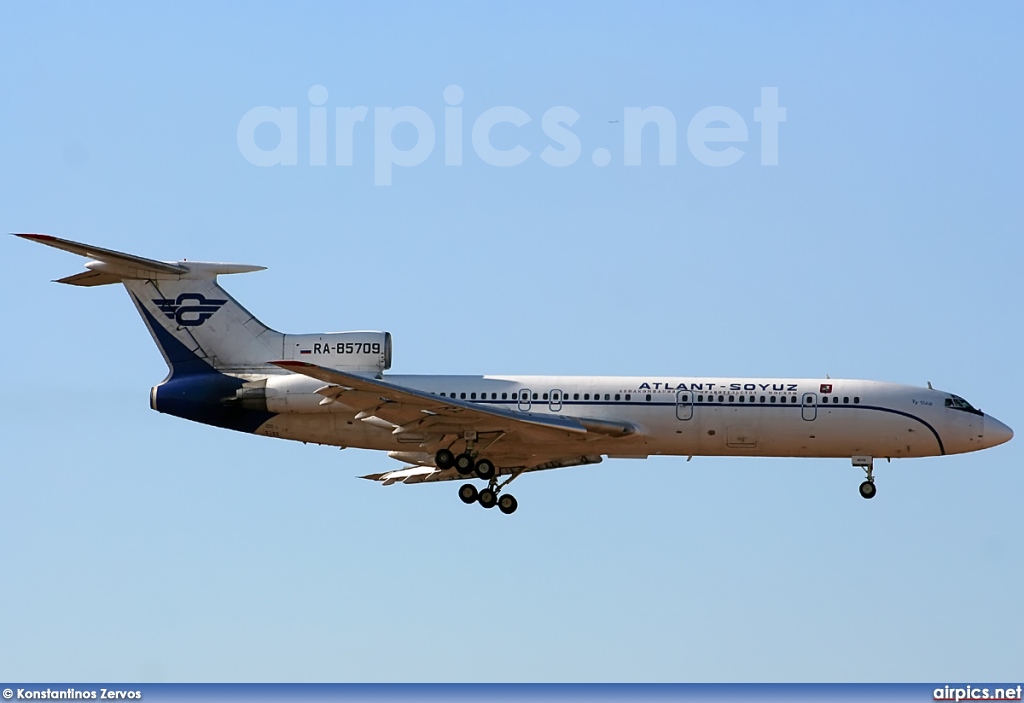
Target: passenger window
[(628, 396), (856, 399), (846, 399), (607, 397), (462, 395), (762, 398), (721, 399), (616, 396), (743, 398), (773, 399), (575, 396), (515, 395), (504, 396), (835, 399), (472, 396), (648, 397), (535, 396), (732, 398)]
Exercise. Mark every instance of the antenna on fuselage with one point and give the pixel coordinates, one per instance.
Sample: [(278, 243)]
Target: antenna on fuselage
[(930, 386)]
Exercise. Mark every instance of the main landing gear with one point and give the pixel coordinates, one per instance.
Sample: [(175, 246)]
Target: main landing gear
[(867, 489), (488, 498), (467, 466), (464, 463)]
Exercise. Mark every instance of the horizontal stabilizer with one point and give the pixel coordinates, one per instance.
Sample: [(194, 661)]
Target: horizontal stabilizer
[(108, 256), (90, 278), (108, 266)]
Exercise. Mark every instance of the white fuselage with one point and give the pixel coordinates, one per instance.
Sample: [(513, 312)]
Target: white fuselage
[(676, 415)]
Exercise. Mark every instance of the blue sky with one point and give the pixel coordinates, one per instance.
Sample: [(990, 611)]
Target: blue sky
[(884, 245)]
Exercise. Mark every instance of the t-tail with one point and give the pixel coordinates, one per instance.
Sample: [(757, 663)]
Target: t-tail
[(197, 325), (212, 345)]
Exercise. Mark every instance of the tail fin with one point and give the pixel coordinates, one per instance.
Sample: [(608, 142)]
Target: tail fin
[(197, 325)]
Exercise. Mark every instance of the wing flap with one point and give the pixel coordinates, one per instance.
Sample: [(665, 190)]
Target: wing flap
[(429, 474), (413, 474)]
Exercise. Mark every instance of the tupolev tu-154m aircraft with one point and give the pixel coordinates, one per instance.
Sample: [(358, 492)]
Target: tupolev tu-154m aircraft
[(230, 370)]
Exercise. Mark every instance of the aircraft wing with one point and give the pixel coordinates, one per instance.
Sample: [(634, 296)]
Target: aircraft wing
[(414, 411), (531, 441)]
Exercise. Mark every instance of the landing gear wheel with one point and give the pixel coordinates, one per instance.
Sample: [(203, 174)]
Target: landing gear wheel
[(507, 504), (444, 459), (468, 494), (487, 498), (464, 464), (485, 469), (868, 490)]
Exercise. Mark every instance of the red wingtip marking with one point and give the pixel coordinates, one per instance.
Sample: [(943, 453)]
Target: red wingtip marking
[(48, 237)]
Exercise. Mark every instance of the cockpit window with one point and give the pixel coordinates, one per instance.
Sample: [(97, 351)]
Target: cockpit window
[(958, 403)]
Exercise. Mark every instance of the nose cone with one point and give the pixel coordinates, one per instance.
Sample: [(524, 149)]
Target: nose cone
[(996, 432)]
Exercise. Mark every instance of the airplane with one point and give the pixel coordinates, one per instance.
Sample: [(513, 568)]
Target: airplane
[(227, 369)]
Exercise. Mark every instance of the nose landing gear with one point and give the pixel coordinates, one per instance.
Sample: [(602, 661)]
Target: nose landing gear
[(867, 489)]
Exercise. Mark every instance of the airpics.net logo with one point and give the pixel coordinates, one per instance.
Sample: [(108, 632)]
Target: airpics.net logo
[(715, 136)]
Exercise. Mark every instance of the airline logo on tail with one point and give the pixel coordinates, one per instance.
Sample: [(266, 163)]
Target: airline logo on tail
[(189, 309)]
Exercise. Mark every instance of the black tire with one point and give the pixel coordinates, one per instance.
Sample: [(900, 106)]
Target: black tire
[(868, 490), (464, 464), (485, 469), (467, 493), (487, 498), (507, 504), (444, 459)]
